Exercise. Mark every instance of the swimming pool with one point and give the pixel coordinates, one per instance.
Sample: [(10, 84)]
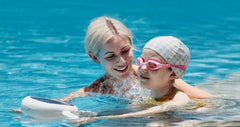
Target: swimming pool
[(42, 54)]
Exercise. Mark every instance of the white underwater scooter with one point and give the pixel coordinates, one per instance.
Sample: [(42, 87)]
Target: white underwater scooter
[(44, 109)]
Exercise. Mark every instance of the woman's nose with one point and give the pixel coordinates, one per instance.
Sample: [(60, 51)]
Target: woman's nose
[(121, 60)]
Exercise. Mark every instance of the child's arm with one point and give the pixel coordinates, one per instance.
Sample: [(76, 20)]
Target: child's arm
[(190, 90)]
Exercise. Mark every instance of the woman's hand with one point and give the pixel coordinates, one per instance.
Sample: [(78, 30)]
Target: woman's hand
[(72, 95), (66, 99), (18, 110)]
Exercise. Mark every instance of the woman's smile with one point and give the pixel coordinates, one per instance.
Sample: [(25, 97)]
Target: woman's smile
[(121, 69)]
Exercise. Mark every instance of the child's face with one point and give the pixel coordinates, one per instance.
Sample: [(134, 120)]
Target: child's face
[(154, 79), (116, 57)]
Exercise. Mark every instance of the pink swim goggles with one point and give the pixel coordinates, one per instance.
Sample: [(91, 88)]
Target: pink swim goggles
[(154, 65)]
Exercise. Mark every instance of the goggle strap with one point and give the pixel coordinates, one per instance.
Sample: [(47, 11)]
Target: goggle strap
[(181, 67)]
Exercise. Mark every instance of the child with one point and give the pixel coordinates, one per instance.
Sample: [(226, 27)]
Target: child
[(163, 60)]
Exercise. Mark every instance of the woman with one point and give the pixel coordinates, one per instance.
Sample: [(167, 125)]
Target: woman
[(109, 43)]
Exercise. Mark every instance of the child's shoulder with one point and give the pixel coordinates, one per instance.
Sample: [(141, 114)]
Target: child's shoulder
[(159, 101), (180, 95)]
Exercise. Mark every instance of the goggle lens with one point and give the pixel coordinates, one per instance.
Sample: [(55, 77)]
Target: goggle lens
[(151, 65)]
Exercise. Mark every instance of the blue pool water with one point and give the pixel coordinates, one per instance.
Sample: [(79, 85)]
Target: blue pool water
[(42, 54)]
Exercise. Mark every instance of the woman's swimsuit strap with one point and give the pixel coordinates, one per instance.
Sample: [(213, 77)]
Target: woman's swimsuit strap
[(102, 83)]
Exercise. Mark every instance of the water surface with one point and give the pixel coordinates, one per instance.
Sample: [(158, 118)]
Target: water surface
[(42, 53)]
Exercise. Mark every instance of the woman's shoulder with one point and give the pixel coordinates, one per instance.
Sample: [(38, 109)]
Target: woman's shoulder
[(95, 86)]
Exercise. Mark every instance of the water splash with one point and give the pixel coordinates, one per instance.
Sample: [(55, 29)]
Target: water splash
[(130, 89)]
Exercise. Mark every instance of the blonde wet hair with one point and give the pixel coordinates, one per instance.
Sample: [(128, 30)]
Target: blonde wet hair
[(102, 29)]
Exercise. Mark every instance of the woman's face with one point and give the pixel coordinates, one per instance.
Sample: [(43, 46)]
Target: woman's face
[(153, 79), (116, 57)]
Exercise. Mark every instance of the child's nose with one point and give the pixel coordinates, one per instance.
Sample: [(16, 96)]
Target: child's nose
[(143, 68)]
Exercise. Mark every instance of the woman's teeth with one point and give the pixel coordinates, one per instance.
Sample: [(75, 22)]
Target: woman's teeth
[(121, 69)]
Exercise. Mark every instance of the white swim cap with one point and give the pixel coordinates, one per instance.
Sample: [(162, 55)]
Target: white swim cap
[(172, 50)]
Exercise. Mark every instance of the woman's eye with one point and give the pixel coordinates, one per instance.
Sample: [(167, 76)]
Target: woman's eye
[(110, 57), (125, 51)]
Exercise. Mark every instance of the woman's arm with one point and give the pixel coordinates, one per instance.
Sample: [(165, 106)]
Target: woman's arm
[(185, 87), (153, 110), (67, 99), (180, 99), (94, 87), (80, 93), (190, 90), (72, 95)]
